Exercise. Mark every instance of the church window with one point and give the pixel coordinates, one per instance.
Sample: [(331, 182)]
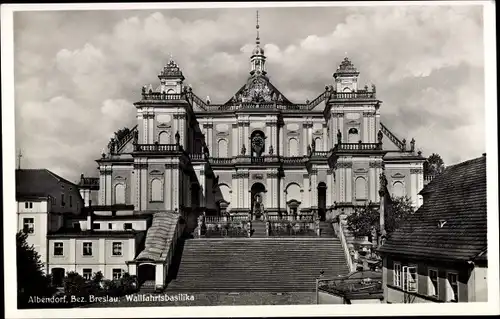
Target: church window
[(258, 144), (293, 144), (119, 194), (156, 190), (222, 148), (318, 144), (398, 189), (164, 137), (360, 188), (353, 136)]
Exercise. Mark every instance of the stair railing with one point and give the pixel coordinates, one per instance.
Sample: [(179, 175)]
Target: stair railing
[(343, 241)]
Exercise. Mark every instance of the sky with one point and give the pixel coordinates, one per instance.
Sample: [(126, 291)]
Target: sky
[(78, 73)]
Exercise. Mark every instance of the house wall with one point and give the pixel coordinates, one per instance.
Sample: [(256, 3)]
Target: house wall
[(102, 258), (393, 294)]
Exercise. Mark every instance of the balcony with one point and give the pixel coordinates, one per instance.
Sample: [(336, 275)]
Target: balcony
[(360, 94), (161, 96), (158, 148), (357, 147)]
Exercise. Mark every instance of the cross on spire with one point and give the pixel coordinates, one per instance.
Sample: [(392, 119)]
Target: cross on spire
[(257, 39)]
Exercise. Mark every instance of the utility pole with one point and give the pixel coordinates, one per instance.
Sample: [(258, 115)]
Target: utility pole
[(19, 155)]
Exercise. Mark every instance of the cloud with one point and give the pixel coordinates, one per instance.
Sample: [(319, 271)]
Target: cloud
[(77, 87)]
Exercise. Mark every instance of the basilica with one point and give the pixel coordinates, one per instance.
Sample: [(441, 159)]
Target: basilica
[(258, 165), (258, 152)]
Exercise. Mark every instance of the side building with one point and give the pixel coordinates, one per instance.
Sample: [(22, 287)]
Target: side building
[(44, 200), (440, 253)]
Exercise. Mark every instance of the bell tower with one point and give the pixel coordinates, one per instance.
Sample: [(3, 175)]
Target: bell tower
[(346, 77)]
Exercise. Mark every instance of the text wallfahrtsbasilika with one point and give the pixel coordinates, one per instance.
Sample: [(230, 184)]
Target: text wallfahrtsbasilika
[(161, 297)]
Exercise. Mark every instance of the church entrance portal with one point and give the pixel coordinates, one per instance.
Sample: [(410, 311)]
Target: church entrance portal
[(257, 193), (322, 201)]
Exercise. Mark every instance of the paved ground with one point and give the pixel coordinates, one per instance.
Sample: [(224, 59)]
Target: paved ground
[(213, 299)]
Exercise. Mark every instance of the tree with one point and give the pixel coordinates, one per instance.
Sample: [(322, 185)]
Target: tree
[(364, 219), (31, 280), (434, 165)]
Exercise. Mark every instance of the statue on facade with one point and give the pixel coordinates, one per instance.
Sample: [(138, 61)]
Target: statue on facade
[(339, 137), (404, 144), (205, 151), (257, 206), (309, 151), (111, 146), (383, 181), (144, 89), (313, 145), (177, 138), (412, 145), (380, 135), (374, 89), (271, 150), (243, 150)]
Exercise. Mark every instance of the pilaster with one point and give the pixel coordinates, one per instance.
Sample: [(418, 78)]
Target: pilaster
[(330, 187), (306, 195)]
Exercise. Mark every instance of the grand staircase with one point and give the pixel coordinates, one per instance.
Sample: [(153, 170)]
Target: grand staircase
[(256, 264)]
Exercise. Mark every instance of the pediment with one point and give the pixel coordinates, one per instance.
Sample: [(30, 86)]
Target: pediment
[(398, 175)]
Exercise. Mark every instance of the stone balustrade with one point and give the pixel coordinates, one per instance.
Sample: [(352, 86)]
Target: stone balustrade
[(161, 148), (357, 147), (161, 96)]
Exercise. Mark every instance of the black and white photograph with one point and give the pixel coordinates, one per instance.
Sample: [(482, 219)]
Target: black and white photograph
[(171, 156)]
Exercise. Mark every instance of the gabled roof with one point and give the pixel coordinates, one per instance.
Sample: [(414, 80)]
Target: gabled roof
[(455, 200), (38, 182)]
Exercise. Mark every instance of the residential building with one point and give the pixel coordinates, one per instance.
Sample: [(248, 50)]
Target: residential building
[(44, 199), (440, 253)]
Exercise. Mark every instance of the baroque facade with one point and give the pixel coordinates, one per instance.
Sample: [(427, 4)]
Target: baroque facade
[(258, 153)]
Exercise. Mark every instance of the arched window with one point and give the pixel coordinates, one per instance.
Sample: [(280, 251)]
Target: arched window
[(170, 91), (347, 90), (360, 188), (293, 144), (258, 144), (119, 194), (293, 192), (156, 190), (398, 189), (353, 135), (164, 138), (318, 144), (222, 148)]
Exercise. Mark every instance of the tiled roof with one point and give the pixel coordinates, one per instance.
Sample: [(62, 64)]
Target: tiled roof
[(37, 182), (457, 200), (159, 236)]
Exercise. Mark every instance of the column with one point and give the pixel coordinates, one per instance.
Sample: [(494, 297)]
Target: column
[(341, 127), (275, 191), (102, 188), (274, 137), (182, 130), (133, 187), (305, 199), (144, 186), (246, 137), (203, 189), (304, 139), (234, 140), (211, 138), (175, 185), (348, 178), (246, 192), (378, 171), (240, 138), (373, 183), (373, 130), (241, 192), (325, 137), (145, 133), (314, 187), (269, 138), (334, 128), (282, 193), (377, 121), (310, 133), (330, 187), (341, 171), (175, 127), (365, 128), (151, 126), (281, 140), (109, 193), (168, 189), (269, 188), (234, 191)]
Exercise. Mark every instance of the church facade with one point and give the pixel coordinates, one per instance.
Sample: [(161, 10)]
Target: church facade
[(258, 154)]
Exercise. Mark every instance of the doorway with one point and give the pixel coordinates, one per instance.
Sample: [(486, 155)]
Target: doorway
[(322, 201), (257, 200)]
